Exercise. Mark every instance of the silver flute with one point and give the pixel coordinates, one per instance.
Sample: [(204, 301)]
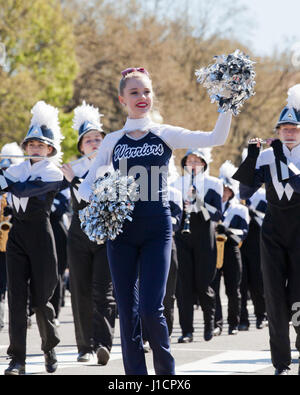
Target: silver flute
[(44, 157), (261, 141), (22, 157), (74, 162)]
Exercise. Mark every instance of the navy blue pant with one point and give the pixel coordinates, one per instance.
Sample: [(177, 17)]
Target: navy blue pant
[(139, 261)]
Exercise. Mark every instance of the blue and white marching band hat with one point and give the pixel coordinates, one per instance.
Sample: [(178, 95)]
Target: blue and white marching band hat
[(86, 118), (226, 172), (291, 113), (203, 153), (10, 149), (45, 127)]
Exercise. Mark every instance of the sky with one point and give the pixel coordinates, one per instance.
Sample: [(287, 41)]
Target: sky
[(276, 25), (266, 26)]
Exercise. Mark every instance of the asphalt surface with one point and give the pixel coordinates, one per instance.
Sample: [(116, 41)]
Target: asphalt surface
[(247, 353)]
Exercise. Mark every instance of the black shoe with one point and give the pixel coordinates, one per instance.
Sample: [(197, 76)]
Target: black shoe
[(243, 328), (260, 323), (217, 331), (208, 332), (233, 330), (103, 355), (14, 369), (282, 372), (188, 338), (84, 357), (50, 361), (146, 346)]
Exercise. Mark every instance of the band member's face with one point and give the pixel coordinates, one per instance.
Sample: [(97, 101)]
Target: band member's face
[(290, 135), (37, 148), (90, 142), (137, 97), (227, 194), (193, 162)]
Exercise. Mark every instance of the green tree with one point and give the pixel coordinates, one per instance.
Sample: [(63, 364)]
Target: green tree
[(113, 35), (40, 64)]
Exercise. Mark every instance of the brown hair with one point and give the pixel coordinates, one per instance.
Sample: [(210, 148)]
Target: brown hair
[(134, 74)]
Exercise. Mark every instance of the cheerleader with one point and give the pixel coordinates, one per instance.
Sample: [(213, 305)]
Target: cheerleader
[(31, 256), (14, 150), (143, 250), (278, 167), (235, 224), (197, 249), (93, 303)]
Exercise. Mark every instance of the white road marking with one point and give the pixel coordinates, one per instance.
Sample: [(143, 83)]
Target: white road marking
[(229, 362), (66, 359)]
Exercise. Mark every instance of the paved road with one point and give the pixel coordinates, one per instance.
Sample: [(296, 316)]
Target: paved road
[(245, 354)]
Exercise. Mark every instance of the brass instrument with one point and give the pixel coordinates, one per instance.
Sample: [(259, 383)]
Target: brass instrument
[(5, 225), (186, 225), (220, 241)]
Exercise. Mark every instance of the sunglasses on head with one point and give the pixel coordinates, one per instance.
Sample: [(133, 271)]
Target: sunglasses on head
[(133, 69)]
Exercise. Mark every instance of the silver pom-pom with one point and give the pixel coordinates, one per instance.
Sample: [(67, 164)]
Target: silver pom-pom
[(112, 202), (230, 81)]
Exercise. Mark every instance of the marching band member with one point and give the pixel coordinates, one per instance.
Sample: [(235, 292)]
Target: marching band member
[(7, 149), (235, 222), (277, 167), (251, 274), (143, 250), (31, 255), (93, 303), (197, 249), (60, 225), (175, 201)]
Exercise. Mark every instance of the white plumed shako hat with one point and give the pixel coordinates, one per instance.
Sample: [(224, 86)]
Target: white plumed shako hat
[(44, 126), (86, 118), (226, 173)]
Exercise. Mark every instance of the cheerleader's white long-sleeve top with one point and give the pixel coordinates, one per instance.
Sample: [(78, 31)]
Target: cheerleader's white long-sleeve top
[(148, 157)]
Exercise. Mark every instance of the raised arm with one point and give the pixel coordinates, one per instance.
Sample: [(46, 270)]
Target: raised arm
[(177, 137)]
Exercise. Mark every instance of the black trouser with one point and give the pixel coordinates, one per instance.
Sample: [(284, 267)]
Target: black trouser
[(3, 282), (60, 235), (3, 279), (170, 297), (232, 272), (280, 257), (196, 269), (252, 275), (31, 258), (93, 304)]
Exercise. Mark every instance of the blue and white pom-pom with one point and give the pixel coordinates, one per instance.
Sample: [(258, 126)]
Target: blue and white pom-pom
[(230, 81), (112, 202)]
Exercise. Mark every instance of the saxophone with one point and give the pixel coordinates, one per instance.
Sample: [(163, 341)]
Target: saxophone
[(5, 225), (186, 226), (220, 241)]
